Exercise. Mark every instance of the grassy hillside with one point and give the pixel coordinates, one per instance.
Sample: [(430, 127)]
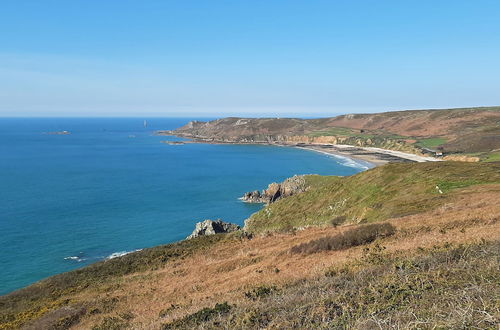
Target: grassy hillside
[(391, 274), (384, 192)]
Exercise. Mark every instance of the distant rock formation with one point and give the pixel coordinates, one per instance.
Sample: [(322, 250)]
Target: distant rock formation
[(212, 227), (276, 191)]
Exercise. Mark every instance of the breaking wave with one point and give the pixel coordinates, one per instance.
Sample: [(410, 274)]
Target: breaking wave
[(120, 254)]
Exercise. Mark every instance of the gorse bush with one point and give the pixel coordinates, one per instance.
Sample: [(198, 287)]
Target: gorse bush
[(205, 315), (260, 292), (357, 236)]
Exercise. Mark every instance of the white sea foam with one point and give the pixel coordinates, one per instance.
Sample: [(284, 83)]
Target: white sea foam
[(347, 161), (75, 258), (344, 160), (120, 254)]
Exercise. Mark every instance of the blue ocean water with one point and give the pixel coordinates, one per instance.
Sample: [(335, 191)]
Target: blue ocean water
[(111, 186)]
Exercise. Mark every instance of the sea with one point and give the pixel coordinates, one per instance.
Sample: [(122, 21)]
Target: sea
[(111, 187)]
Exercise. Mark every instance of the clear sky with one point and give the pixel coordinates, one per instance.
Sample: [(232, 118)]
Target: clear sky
[(269, 57)]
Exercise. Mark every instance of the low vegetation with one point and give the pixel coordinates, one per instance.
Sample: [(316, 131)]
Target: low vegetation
[(38, 299), (446, 286), (206, 315), (353, 237), (432, 263)]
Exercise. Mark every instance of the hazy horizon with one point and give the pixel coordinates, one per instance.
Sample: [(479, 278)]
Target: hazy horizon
[(212, 116), (245, 58)]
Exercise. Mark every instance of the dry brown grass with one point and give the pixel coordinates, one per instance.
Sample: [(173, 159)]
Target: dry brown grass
[(233, 267)]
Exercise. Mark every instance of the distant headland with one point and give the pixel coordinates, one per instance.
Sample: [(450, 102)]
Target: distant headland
[(464, 134)]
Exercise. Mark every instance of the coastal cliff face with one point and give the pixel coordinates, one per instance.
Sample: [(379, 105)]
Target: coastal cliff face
[(465, 130), (276, 191)]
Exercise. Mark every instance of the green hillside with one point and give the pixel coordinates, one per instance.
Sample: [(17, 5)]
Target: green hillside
[(384, 192)]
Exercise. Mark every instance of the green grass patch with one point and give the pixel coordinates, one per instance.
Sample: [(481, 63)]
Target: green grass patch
[(447, 186), (492, 157), (339, 131), (431, 142), (378, 194)]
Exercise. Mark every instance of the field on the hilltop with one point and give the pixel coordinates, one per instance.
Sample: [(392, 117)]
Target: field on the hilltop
[(389, 268)]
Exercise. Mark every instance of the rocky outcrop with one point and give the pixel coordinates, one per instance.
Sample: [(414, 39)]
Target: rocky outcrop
[(276, 191), (212, 227)]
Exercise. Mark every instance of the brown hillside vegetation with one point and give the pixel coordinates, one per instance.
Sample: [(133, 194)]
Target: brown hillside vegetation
[(464, 130), (421, 123), (437, 268)]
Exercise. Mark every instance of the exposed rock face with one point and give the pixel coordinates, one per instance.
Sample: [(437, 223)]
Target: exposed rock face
[(276, 191), (212, 227)]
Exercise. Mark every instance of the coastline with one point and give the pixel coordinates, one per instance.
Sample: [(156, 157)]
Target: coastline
[(370, 155), (367, 157)]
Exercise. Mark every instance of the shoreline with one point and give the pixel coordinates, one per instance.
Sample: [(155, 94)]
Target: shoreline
[(374, 156), (367, 157)]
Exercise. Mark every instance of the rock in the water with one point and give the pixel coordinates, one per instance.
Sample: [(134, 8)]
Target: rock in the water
[(276, 191), (252, 197), (212, 227)]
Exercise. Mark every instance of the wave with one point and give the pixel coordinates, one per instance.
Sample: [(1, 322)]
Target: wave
[(80, 258), (347, 161), (120, 254), (75, 258)]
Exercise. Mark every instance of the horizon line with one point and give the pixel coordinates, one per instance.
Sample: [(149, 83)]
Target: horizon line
[(228, 115)]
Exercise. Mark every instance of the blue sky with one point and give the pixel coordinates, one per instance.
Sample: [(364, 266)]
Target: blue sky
[(214, 58)]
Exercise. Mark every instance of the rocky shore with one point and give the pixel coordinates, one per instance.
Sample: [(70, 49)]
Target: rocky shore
[(276, 191), (212, 227)]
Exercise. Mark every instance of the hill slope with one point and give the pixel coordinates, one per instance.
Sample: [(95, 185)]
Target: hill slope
[(467, 130), (378, 194), (351, 275)]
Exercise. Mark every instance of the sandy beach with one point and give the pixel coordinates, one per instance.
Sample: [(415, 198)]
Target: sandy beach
[(375, 156)]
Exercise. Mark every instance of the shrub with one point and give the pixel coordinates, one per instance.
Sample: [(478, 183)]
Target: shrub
[(166, 311), (260, 292), (357, 236), (204, 315), (337, 221), (111, 323)]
